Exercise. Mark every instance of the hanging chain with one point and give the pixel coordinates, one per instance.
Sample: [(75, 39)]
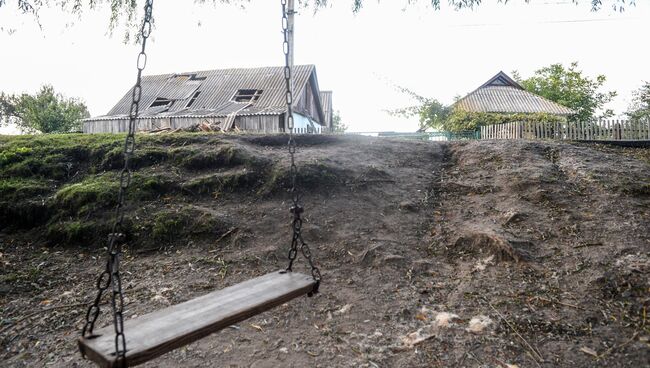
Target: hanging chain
[(296, 208), (111, 274)]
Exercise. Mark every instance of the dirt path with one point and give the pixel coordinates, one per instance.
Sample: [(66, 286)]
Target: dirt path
[(433, 255)]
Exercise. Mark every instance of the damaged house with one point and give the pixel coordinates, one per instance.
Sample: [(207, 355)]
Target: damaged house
[(247, 99)]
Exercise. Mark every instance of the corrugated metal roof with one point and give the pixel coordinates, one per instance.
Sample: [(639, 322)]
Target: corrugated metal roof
[(506, 99), (502, 94), (216, 89)]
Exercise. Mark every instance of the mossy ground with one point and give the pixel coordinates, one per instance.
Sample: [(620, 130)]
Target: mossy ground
[(65, 186)]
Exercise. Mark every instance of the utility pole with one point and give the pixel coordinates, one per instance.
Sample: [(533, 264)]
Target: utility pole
[(290, 27)]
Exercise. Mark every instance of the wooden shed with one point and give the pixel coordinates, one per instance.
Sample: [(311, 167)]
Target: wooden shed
[(251, 99)]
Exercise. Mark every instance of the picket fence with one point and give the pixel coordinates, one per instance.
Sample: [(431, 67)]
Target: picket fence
[(583, 131)]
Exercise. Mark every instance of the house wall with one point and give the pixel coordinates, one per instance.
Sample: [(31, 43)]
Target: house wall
[(307, 103), (259, 123), (305, 123)]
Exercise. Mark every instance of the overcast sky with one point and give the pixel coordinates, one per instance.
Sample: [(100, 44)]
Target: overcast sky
[(439, 54)]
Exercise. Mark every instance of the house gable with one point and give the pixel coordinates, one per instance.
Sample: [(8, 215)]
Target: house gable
[(502, 94), (309, 102), (501, 80)]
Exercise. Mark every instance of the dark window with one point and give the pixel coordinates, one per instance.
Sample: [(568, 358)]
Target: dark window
[(247, 95), (186, 77), (194, 96), (161, 102)]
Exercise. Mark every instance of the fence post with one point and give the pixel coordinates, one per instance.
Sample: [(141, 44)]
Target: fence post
[(574, 133)]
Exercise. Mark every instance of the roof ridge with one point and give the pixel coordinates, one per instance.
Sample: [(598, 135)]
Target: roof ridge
[(310, 66)]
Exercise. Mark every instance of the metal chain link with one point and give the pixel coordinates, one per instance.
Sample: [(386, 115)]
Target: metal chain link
[(111, 274), (296, 208)]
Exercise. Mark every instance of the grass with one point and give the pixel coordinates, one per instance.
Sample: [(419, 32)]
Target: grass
[(74, 232), (93, 192), (65, 186), (224, 156), (215, 184), (184, 221)]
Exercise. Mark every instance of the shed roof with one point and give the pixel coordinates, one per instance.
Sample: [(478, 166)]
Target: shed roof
[(502, 94), (213, 92)]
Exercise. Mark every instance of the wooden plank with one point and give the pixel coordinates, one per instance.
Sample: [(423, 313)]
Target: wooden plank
[(157, 333)]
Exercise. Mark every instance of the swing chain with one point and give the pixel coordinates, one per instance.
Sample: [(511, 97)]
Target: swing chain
[(296, 208), (111, 274)]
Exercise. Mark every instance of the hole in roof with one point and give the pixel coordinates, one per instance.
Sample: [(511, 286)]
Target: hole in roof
[(187, 77), (247, 95), (194, 96), (161, 102)]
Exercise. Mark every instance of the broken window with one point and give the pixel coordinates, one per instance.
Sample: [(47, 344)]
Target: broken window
[(158, 102), (194, 96), (247, 95)]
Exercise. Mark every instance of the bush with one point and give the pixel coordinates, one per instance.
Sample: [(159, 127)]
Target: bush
[(461, 120)]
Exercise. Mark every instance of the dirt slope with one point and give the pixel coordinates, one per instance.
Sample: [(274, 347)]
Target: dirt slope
[(433, 254)]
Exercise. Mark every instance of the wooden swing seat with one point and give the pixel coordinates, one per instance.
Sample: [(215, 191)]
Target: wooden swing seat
[(159, 332)]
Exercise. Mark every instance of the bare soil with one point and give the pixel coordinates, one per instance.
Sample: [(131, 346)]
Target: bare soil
[(467, 254)]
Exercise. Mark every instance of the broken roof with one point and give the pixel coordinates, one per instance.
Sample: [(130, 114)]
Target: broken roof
[(211, 93), (502, 94)]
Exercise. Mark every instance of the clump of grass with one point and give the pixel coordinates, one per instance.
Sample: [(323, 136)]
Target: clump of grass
[(98, 191), (147, 186), (184, 221), (74, 232), (13, 154), (311, 176), (225, 156), (240, 180), (101, 191), (23, 202), (18, 189), (143, 157)]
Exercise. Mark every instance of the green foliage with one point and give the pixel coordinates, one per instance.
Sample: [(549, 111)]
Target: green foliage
[(433, 114), (640, 107), (338, 126), (125, 13), (570, 88), (45, 112), (13, 155), (460, 120), (19, 189), (430, 112)]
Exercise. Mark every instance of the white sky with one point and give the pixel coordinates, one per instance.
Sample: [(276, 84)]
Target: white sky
[(439, 54)]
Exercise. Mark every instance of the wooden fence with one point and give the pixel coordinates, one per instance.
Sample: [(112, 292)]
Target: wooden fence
[(606, 130), (423, 136)]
